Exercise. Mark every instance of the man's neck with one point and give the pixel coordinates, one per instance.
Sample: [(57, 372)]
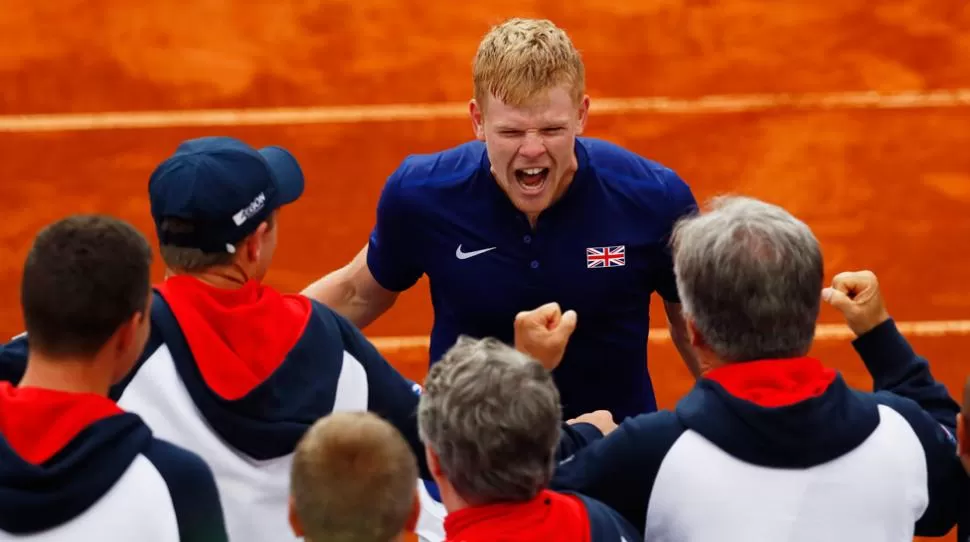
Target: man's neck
[(75, 375), (225, 279), (449, 497), (451, 501)]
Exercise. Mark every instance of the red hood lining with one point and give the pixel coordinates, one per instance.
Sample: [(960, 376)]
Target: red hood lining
[(774, 382), (237, 337), (37, 423)]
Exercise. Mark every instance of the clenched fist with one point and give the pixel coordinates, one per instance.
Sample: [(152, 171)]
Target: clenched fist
[(856, 295), (543, 333), (601, 419)]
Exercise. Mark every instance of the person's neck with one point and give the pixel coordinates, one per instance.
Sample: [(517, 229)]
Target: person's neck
[(69, 374), (450, 498), (222, 278), (709, 364)]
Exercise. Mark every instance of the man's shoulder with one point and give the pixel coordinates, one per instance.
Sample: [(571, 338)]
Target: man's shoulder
[(637, 178), (620, 164), (177, 464), (442, 168), (916, 418), (423, 183)]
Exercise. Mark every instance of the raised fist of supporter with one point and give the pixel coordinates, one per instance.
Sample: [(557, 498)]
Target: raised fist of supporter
[(857, 296), (544, 332), (601, 419)]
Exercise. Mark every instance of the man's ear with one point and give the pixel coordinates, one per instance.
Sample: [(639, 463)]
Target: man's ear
[(126, 333), (696, 339), (583, 115), (295, 523), (433, 464), (253, 244), (478, 119)]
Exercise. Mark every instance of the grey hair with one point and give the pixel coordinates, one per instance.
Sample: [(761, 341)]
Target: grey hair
[(749, 275), (491, 414)]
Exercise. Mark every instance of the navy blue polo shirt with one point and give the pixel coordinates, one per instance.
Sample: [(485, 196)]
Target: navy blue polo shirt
[(602, 250)]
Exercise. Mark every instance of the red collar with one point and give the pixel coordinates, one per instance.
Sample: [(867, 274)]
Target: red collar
[(774, 382), (38, 423), (549, 516)]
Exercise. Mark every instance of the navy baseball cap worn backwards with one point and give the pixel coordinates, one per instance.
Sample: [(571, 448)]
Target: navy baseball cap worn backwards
[(224, 188)]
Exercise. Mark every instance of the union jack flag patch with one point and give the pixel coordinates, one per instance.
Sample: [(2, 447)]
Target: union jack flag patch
[(605, 256)]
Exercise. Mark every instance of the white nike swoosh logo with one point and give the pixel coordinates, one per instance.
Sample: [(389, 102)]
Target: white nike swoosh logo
[(465, 255)]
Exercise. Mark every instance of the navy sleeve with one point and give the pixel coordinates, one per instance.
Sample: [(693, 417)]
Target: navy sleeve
[(896, 368), (391, 248), (13, 359), (681, 203), (946, 479), (389, 394), (619, 470), (193, 490), (573, 438)]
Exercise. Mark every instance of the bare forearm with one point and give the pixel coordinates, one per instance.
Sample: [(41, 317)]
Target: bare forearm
[(333, 292), (338, 291)]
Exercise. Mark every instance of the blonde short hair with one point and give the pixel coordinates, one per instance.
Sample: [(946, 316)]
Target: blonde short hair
[(354, 478), (521, 58)]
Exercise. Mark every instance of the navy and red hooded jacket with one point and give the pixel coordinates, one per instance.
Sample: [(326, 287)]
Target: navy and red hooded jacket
[(785, 450), (74, 466)]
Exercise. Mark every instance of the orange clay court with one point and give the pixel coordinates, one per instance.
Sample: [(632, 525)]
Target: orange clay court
[(854, 115)]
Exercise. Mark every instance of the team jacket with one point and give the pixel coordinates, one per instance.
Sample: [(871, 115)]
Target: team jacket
[(550, 517), (238, 376), (75, 467), (784, 450)]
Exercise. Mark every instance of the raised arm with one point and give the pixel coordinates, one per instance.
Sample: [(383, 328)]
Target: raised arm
[(353, 292), (390, 263), (890, 359)]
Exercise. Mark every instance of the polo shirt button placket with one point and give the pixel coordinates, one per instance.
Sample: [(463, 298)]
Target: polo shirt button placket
[(527, 239)]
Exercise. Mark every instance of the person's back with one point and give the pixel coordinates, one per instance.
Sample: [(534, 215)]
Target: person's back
[(73, 465), (771, 444), (233, 369), (798, 458), (198, 391)]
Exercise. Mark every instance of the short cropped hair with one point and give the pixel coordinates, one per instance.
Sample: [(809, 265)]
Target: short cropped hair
[(83, 278), (491, 414), (750, 276), (521, 58), (354, 479), (193, 260)]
